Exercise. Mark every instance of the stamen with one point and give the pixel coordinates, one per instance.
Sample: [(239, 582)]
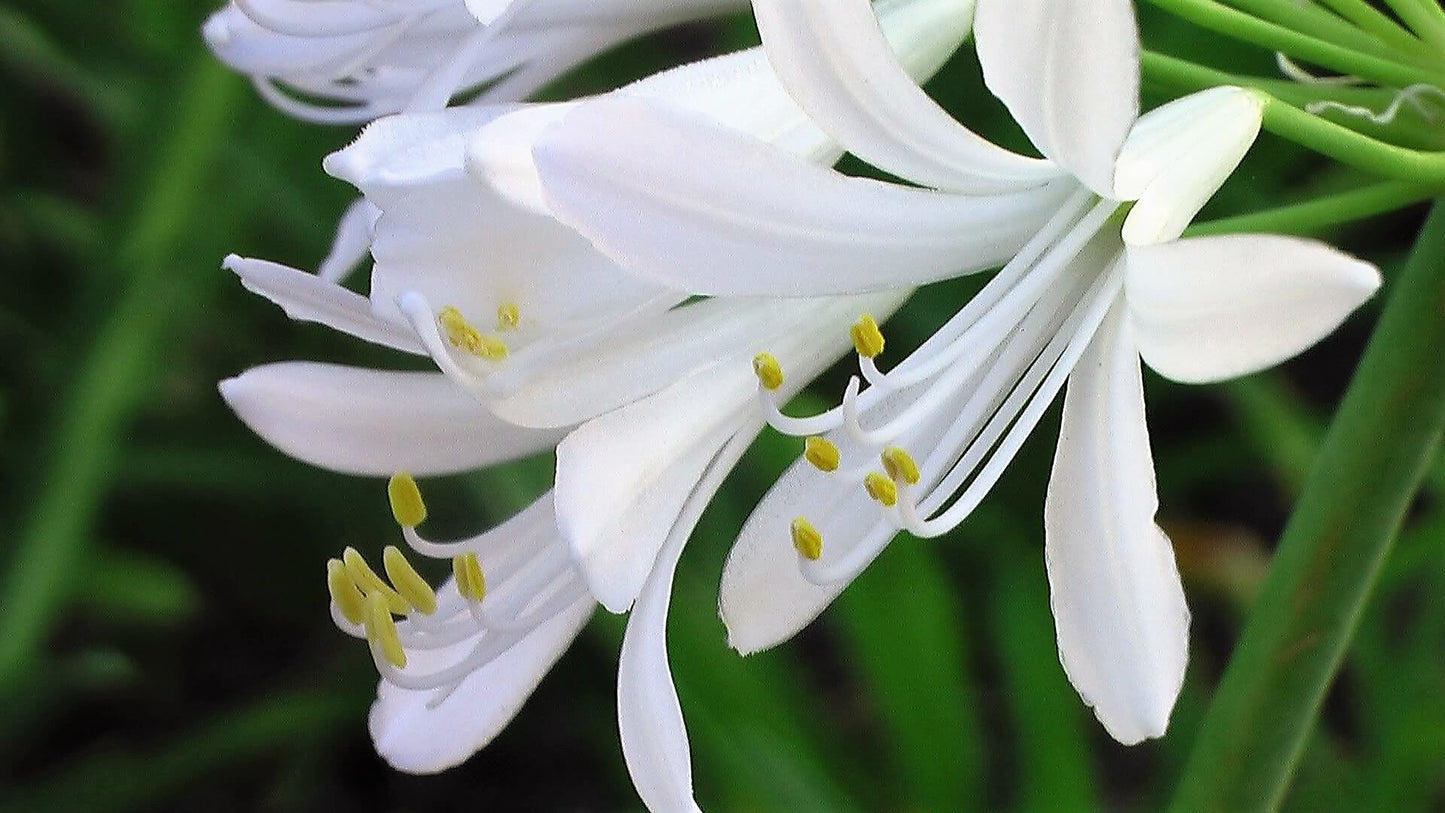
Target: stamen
[(407, 581), (768, 370), (371, 584), (509, 315), (881, 488), (899, 464), (470, 581), (867, 338), (381, 631), (822, 453), (464, 336), (807, 540), (406, 503), (344, 592)]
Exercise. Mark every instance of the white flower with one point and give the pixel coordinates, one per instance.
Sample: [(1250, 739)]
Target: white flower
[(537, 336), (1081, 302), (367, 58)]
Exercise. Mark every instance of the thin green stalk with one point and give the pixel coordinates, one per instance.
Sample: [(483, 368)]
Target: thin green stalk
[(1387, 41), (1237, 24), (1321, 135), (1372, 20), (1319, 214), (107, 384), (1378, 449), (1424, 18)]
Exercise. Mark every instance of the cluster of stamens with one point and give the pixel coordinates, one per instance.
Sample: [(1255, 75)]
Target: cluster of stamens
[(970, 395), (402, 613)]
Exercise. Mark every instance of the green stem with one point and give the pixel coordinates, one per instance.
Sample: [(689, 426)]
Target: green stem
[(1321, 135), (1239, 25), (1385, 39), (1381, 443), (1379, 24), (1425, 19), (1314, 216), (108, 383)]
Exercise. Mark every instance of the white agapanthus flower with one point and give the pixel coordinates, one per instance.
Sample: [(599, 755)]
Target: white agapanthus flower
[(677, 199), (350, 61), (539, 338)]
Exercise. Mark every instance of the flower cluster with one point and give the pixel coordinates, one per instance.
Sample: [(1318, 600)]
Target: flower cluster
[(642, 279)]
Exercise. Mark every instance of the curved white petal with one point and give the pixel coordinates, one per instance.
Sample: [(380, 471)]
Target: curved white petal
[(414, 738), (764, 598), (309, 298), (375, 422), (458, 242), (836, 62), (351, 243), (1068, 71), (1212, 308), (396, 155), (1119, 611), (1179, 155), (649, 717), (622, 478), (754, 220)]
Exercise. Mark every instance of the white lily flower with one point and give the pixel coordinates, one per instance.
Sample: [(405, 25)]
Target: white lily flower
[(663, 391), (1081, 302), (368, 58)]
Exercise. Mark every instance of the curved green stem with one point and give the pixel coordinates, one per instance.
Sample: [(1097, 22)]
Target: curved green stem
[(1321, 135), (1237, 24), (1378, 450), (1424, 17), (1379, 36), (1314, 216), (108, 383), (1379, 24)]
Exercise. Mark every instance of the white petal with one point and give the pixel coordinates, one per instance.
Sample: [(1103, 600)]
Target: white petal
[(1119, 611), (417, 739), (352, 242), (754, 220), (375, 422), (396, 155), (836, 62), (764, 598), (1179, 155), (623, 477), (649, 717), (456, 241), (309, 298), (1068, 71), (1212, 308)]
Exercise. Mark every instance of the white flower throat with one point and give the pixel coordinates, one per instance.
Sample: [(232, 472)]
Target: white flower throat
[(925, 442)]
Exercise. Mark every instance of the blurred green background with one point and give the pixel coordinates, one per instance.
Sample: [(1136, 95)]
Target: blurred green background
[(164, 639)]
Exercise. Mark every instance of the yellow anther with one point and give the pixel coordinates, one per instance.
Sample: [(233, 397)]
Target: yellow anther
[(406, 502), (508, 316), (464, 336), (470, 581), (867, 338), (821, 452), (371, 584), (348, 597), (806, 539), (881, 488), (407, 581), (381, 631), (899, 464), (769, 371)]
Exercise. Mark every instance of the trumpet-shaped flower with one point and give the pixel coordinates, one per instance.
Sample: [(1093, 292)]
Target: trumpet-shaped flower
[(341, 61), (537, 338), (1080, 303)]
